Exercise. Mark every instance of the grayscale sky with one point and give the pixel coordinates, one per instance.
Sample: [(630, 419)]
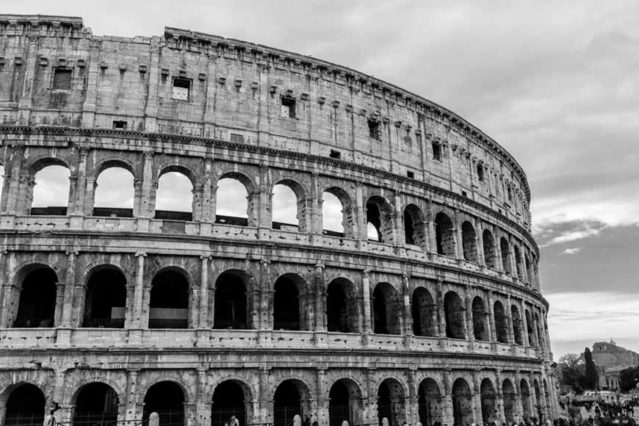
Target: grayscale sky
[(555, 82)]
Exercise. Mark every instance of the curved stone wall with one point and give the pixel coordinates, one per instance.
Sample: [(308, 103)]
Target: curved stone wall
[(439, 318)]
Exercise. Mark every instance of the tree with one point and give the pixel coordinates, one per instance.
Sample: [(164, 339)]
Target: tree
[(571, 367), (591, 376), (628, 378)]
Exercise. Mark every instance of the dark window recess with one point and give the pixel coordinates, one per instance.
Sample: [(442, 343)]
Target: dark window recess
[(510, 194), (181, 89), (288, 107), (335, 154), (410, 174), (464, 194), (237, 138), (480, 172), (374, 130), (437, 151), (62, 79), (119, 124)]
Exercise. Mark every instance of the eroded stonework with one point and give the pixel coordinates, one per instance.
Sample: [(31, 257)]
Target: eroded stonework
[(439, 318)]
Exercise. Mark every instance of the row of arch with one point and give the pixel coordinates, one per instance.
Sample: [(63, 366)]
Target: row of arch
[(106, 292), (98, 402), (236, 200)]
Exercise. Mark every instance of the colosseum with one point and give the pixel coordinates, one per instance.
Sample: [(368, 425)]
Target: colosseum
[(405, 286)]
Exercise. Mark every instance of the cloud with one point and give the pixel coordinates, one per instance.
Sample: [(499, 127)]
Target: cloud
[(573, 250)]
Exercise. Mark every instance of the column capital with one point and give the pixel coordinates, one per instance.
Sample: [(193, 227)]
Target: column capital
[(141, 254)]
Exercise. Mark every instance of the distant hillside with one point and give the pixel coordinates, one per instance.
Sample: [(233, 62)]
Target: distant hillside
[(609, 355)]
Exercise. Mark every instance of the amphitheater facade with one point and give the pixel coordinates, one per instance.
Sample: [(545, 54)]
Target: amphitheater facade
[(424, 306)]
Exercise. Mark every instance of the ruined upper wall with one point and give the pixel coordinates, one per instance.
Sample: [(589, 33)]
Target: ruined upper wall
[(53, 71)]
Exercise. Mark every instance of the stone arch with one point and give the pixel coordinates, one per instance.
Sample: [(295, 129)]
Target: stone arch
[(231, 397), (489, 409), (342, 306), (379, 217), (292, 397), (430, 403), (297, 190), (178, 203), (105, 300), (346, 217), (291, 303), (345, 402), (414, 226), (469, 242), (167, 398), (530, 329), (510, 400), (169, 301), (462, 403), (501, 322), (518, 269), (23, 401), (122, 203), (526, 401), (490, 252), (244, 215), (95, 402), (480, 320), (517, 329), (505, 255), (424, 313), (110, 163), (387, 309), (391, 402), (454, 311), (444, 235), (37, 297), (233, 301), (49, 187)]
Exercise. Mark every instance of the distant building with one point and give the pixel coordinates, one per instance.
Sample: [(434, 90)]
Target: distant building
[(610, 359)]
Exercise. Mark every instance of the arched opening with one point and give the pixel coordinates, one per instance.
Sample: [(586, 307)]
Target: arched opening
[(469, 242), (462, 403), (105, 299), (444, 235), (25, 406), (526, 403), (291, 399), (430, 403), (231, 307), (169, 307), (529, 329), (337, 218), (36, 307), (510, 400), (501, 322), (387, 310), (516, 319), (95, 404), (518, 262), (379, 220), (505, 255), (528, 269), (424, 313), (489, 413), (414, 228), (540, 332), (454, 309), (490, 254), (174, 197), (288, 209), (167, 399), (547, 396), (480, 323), (229, 399), (289, 303), (342, 307), (390, 402), (231, 202), (51, 191), (344, 403), (114, 193), (539, 408)]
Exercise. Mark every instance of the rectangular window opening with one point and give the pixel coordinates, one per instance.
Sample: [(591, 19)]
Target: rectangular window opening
[(181, 89), (335, 154), (480, 172), (410, 174), (237, 138), (119, 124), (374, 130), (62, 79), (437, 151), (288, 107)]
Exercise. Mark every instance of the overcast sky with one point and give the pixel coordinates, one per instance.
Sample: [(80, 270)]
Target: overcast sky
[(555, 82)]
